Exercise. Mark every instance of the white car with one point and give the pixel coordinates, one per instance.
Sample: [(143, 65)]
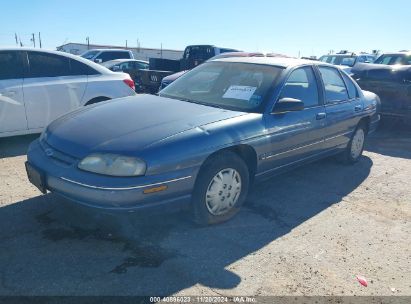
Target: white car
[(37, 86), (104, 55)]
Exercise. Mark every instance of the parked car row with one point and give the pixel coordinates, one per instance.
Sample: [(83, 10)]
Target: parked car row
[(205, 138), (36, 87)]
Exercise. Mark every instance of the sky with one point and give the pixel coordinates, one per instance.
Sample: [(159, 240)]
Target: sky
[(291, 27)]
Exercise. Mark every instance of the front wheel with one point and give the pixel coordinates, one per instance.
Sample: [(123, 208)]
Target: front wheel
[(221, 188), (355, 147)]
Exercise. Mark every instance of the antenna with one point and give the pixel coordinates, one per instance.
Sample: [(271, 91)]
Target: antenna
[(33, 39), (40, 39)]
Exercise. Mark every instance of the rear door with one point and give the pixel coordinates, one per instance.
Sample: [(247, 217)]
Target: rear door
[(12, 108), (50, 88), (297, 135), (342, 105)]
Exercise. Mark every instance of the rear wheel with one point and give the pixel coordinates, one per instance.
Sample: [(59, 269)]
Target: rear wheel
[(355, 147), (221, 188)]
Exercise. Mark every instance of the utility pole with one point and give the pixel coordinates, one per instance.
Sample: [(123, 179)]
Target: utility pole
[(88, 42), (40, 39), (126, 44), (34, 40)]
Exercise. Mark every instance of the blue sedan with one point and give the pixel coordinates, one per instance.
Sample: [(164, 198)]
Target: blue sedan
[(206, 138)]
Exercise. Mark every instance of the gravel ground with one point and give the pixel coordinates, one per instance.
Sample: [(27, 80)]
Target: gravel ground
[(307, 232)]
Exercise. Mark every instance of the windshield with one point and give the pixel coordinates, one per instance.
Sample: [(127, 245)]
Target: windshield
[(89, 54), (229, 85), (339, 60), (199, 52), (392, 59)]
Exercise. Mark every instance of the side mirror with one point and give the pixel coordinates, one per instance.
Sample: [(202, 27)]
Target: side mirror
[(98, 60), (116, 68), (288, 105)]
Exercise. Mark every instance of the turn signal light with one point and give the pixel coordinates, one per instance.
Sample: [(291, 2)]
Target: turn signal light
[(155, 189)]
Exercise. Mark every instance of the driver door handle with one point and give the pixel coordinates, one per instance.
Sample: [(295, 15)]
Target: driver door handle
[(321, 115)]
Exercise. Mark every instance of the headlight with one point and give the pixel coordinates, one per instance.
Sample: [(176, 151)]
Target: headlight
[(112, 164)]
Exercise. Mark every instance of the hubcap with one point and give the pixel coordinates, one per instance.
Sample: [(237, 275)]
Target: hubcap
[(223, 191), (357, 143)]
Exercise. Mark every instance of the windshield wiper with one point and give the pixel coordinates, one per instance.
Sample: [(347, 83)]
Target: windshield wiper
[(192, 101)]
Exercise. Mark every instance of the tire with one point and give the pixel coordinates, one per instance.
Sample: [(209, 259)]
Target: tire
[(96, 100), (214, 201), (355, 147)]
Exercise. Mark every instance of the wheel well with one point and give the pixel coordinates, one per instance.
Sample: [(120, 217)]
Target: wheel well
[(246, 153), (366, 122), (97, 99)]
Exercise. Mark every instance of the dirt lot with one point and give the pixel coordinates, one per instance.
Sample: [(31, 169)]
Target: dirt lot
[(310, 231)]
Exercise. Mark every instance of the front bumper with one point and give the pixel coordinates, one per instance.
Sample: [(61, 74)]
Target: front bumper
[(112, 193)]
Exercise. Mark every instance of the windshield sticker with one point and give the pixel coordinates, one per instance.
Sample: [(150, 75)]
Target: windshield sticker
[(239, 92)]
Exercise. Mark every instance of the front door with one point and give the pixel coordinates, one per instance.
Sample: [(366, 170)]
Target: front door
[(12, 108), (296, 135), (50, 88)]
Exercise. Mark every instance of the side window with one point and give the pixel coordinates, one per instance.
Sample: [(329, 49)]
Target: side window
[(79, 68), (48, 65), (125, 66), (141, 66), (302, 85), (335, 90), (352, 90), (10, 65)]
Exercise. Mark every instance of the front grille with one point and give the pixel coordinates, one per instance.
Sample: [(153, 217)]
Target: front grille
[(56, 154)]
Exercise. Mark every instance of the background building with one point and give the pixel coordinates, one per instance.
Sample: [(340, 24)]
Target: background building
[(139, 53)]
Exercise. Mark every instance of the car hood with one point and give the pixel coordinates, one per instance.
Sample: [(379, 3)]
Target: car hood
[(128, 125)]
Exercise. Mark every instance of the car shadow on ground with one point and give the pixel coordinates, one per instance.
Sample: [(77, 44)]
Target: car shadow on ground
[(392, 138), (52, 247), (16, 145)]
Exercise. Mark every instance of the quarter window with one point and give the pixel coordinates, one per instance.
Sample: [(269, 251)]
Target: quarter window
[(302, 85), (79, 68), (10, 66), (335, 90)]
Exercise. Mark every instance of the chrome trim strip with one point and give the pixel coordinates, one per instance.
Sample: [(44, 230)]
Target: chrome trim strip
[(298, 148), (305, 146), (342, 134), (126, 188)]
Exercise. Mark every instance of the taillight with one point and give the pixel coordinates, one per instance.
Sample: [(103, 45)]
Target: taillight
[(130, 83)]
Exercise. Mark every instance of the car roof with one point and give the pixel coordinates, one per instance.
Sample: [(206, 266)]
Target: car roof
[(100, 50), (95, 66), (274, 61), (124, 60), (398, 53), (342, 55)]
